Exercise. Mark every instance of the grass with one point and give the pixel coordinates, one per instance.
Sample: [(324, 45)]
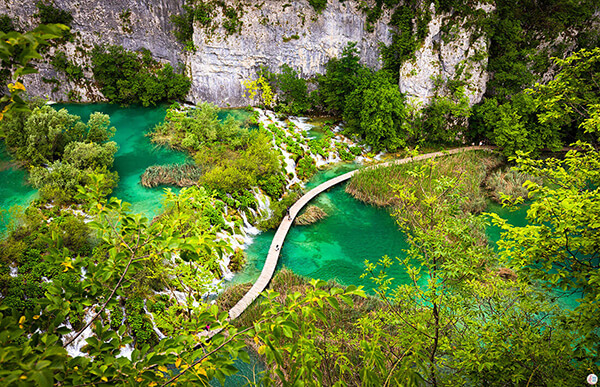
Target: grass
[(375, 186), (180, 175)]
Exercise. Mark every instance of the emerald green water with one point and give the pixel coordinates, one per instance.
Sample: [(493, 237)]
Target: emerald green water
[(135, 153), (14, 190), (336, 247)]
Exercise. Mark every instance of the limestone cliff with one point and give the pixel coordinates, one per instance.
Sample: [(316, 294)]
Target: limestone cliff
[(133, 24), (459, 54), (273, 33)]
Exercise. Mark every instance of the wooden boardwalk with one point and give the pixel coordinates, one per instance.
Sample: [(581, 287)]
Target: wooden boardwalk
[(273, 254)]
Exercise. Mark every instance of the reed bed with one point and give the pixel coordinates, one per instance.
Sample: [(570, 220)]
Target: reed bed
[(509, 182), (180, 175), (376, 186), (312, 215)]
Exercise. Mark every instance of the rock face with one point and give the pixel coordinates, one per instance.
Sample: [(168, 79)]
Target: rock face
[(459, 54), (275, 33), (272, 33), (133, 24)]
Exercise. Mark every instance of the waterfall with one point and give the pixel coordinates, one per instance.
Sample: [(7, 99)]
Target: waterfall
[(156, 330), (74, 349)]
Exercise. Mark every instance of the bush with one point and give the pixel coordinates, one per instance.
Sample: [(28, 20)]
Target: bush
[(305, 168), (6, 23), (49, 14), (292, 92), (318, 5), (127, 77), (61, 64)]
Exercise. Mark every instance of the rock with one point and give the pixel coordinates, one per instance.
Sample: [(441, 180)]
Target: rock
[(458, 53), (132, 24), (273, 34)]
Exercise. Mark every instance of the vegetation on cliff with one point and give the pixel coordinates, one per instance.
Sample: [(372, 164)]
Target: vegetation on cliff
[(127, 77)]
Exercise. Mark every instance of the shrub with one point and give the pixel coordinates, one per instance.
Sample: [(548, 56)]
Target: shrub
[(127, 77), (62, 64), (49, 14), (6, 23), (318, 5)]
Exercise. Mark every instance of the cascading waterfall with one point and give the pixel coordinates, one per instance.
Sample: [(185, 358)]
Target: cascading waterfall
[(154, 327)]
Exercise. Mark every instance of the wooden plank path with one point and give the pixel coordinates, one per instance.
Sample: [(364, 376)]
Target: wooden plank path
[(273, 254)]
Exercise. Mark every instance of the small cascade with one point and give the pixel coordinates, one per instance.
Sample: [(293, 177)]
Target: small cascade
[(263, 203), (301, 123), (74, 349), (156, 330)]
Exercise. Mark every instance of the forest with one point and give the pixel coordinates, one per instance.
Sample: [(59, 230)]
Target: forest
[(93, 293)]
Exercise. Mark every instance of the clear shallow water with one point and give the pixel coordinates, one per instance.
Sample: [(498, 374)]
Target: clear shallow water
[(136, 152), (14, 190), (336, 247)]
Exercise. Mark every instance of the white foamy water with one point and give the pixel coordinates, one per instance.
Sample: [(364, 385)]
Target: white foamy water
[(154, 327)]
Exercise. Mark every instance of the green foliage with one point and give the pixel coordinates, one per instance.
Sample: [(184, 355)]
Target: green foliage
[(291, 90), (41, 137), (444, 120), (99, 129), (237, 260), (233, 159), (184, 25), (204, 12), (375, 111), (139, 323), (558, 249), (90, 155), (516, 127), (62, 64), (516, 33), (255, 164), (449, 318), (16, 52), (340, 80), (405, 19), (318, 5), (231, 21), (548, 115), (6, 24), (49, 14), (305, 168), (571, 97), (127, 77), (61, 149)]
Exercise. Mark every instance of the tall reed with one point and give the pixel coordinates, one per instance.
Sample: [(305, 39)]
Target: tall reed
[(375, 186), (180, 175)]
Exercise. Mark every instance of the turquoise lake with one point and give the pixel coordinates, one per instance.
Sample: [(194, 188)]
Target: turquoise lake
[(334, 248)]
